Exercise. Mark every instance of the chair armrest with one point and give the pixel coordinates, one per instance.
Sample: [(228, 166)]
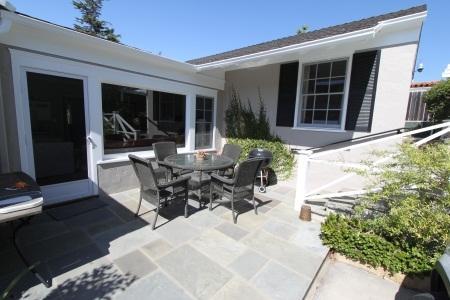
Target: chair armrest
[(179, 180), (222, 179)]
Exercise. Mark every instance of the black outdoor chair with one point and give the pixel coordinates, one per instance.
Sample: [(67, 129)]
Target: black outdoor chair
[(164, 149), (153, 190), (233, 152), (240, 187)]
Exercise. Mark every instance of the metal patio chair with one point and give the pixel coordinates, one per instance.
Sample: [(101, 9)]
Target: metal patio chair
[(233, 152), (240, 187), (156, 191), (164, 149)]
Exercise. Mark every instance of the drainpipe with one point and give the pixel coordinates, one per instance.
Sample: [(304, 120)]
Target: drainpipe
[(5, 24), (7, 5), (378, 28)]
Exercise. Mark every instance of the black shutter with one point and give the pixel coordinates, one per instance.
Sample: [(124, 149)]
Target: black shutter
[(287, 91), (363, 85)]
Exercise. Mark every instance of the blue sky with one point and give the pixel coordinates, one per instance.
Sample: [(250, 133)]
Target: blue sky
[(192, 28)]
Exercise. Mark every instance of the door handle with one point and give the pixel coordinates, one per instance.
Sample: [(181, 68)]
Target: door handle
[(91, 141)]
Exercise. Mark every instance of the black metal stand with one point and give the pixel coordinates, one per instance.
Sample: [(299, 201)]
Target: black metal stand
[(22, 256)]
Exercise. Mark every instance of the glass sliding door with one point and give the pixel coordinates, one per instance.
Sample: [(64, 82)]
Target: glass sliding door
[(204, 122), (58, 130)]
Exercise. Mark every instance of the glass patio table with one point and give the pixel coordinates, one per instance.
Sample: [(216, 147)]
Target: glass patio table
[(189, 161)]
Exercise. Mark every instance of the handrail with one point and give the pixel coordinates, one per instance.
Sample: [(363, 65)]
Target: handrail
[(397, 130), (307, 156), (404, 134)]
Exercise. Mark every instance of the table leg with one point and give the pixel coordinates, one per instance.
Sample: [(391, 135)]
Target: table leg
[(200, 191), (30, 267)]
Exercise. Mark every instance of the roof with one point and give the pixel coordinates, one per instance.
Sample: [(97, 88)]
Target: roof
[(309, 36), (423, 84)]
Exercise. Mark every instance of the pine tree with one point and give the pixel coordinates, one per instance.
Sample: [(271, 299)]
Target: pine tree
[(90, 21)]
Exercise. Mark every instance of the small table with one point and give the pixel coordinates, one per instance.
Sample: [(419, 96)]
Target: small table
[(189, 161), (20, 204)]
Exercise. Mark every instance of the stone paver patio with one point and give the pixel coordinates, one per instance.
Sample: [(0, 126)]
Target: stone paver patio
[(107, 253)]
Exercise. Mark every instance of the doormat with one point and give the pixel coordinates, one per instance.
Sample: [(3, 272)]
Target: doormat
[(75, 208)]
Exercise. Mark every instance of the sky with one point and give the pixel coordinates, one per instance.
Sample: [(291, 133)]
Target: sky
[(187, 29)]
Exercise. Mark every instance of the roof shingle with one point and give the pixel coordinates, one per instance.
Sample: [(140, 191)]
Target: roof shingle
[(309, 36)]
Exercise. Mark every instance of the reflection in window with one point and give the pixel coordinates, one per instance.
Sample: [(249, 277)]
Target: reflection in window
[(134, 119), (204, 122), (323, 93)]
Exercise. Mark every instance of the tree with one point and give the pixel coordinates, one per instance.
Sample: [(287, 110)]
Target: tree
[(90, 21), (303, 29), (438, 101)]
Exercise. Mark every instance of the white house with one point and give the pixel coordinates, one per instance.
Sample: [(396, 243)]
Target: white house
[(73, 106)]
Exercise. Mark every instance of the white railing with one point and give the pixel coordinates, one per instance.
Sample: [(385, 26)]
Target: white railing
[(306, 157), (120, 125)]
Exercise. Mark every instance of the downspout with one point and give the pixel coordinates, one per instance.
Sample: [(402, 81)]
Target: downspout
[(5, 24), (417, 53)]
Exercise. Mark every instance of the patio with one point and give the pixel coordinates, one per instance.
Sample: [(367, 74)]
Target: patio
[(107, 253)]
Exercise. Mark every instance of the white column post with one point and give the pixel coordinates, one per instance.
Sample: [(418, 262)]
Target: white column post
[(302, 171)]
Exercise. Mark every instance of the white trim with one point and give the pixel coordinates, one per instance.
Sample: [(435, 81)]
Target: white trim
[(325, 129), (147, 155), (298, 105), (53, 193), (368, 32)]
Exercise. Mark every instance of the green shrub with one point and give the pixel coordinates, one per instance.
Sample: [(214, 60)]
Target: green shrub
[(408, 217), (283, 160), (353, 238), (438, 101), (242, 122), (250, 130)]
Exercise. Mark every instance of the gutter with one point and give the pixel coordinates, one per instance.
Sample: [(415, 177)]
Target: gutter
[(370, 32)]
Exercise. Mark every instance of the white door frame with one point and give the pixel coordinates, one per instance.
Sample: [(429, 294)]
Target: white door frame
[(62, 191)]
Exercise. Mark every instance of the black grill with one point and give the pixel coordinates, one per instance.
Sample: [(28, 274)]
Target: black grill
[(264, 173)]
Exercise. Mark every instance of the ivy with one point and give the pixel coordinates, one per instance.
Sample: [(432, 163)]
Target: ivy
[(251, 130)]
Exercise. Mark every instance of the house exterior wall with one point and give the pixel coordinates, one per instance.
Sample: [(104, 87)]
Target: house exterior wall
[(45, 48), (9, 144), (394, 78)]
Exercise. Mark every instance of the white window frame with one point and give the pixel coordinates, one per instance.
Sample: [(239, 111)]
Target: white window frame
[(96, 75), (299, 101), (213, 122), (147, 153)]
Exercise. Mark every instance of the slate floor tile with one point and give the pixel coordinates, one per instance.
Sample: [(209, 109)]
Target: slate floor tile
[(279, 229), (231, 230), (218, 246), (198, 274), (155, 286), (238, 289), (135, 263), (295, 258), (177, 231), (248, 264), (279, 283), (156, 248)]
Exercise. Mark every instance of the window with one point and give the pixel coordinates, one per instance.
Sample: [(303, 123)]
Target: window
[(323, 94), (134, 119), (204, 122)]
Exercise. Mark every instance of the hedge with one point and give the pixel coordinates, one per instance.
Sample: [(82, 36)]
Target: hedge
[(283, 160), (353, 239)]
